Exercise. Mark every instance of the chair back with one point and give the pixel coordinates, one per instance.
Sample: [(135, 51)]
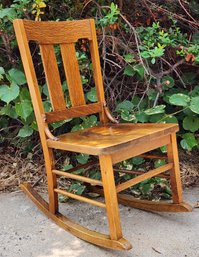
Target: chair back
[(47, 34)]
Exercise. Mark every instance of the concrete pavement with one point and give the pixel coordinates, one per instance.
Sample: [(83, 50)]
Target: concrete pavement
[(26, 232)]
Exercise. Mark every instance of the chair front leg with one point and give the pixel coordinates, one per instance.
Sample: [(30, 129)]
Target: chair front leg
[(175, 180), (51, 180), (110, 195)]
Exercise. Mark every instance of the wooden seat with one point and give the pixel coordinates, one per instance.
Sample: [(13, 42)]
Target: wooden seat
[(110, 138), (112, 143)]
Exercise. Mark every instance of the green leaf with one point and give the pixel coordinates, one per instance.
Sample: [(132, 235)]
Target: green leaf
[(127, 116), (158, 163), (24, 94), (163, 149), (82, 158), (129, 58), (125, 105), (191, 123), (129, 71), (47, 106), (9, 111), (145, 54), (189, 141), (142, 117), (58, 124), (195, 91), (179, 99), (67, 167), (89, 121), (147, 188), (8, 12), (152, 94), (137, 160), (26, 131), (156, 117), (170, 119), (77, 188), (194, 106), (24, 109), (2, 72), (77, 127), (140, 70), (91, 95), (168, 82), (45, 90), (17, 76), (7, 94), (185, 145), (155, 110)]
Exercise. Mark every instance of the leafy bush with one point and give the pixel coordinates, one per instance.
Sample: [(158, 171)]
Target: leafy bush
[(149, 57)]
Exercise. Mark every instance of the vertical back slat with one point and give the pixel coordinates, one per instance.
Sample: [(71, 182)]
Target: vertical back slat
[(97, 69), (52, 77), (71, 68)]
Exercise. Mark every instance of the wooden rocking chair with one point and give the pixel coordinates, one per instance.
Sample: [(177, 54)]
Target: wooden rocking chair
[(112, 143)]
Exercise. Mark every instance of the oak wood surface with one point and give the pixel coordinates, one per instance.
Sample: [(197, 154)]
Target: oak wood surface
[(80, 198), (38, 109), (156, 206), (133, 150), (77, 177), (110, 197), (140, 178), (57, 32), (111, 138), (73, 112), (175, 180), (52, 77), (111, 142), (88, 235), (71, 68)]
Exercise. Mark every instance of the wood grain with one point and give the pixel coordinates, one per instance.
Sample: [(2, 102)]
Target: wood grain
[(111, 142), (38, 109), (79, 197), (52, 77), (71, 68), (157, 206), (140, 178), (88, 235), (110, 197), (73, 112), (122, 141), (77, 177), (176, 185), (52, 32)]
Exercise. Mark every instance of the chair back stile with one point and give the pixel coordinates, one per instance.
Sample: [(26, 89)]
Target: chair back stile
[(65, 34)]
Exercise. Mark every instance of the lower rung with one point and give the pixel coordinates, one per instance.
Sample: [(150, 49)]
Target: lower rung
[(140, 178), (80, 198)]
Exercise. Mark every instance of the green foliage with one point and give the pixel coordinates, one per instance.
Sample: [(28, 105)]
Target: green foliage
[(179, 99), (145, 72), (110, 16)]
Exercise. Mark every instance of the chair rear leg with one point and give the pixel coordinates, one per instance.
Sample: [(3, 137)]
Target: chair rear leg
[(110, 197), (51, 180), (175, 180)]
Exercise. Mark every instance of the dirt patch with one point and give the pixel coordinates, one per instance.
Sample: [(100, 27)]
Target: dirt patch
[(16, 169), (189, 166)]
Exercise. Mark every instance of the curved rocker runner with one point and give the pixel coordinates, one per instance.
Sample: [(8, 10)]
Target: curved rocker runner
[(110, 142)]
